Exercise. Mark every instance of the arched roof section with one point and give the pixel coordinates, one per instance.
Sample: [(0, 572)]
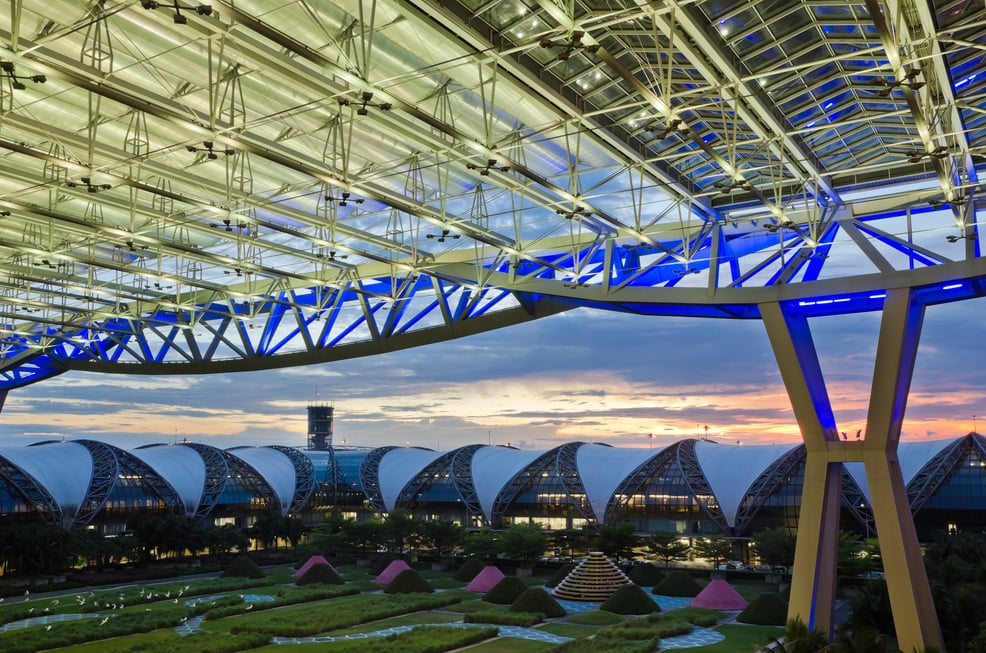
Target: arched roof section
[(492, 468), (216, 473), (275, 468), (698, 483), (304, 476), (105, 470), (939, 469), (426, 476), (183, 469), (603, 468), (913, 455), (632, 482), (398, 468), (32, 492), (369, 475), (777, 474), (732, 470), (463, 482), (63, 469)]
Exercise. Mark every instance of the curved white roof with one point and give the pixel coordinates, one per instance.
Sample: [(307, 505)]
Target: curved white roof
[(180, 466), (398, 467), (912, 455), (493, 467), (276, 468), (603, 468), (63, 468), (731, 470)]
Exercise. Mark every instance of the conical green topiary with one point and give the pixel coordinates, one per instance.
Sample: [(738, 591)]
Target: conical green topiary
[(537, 600), (769, 609), (468, 570), (506, 591), (678, 583), (243, 567), (559, 575), (630, 599), (407, 582), (320, 574), (646, 574)]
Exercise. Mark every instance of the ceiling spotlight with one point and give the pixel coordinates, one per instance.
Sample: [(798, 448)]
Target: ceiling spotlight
[(210, 151), (728, 186), (343, 199), (952, 238), (685, 271), (484, 170), (7, 71), (442, 237), (87, 182), (774, 227), (178, 17), (228, 226), (364, 102), (578, 212), (907, 82), (940, 152), (570, 46)]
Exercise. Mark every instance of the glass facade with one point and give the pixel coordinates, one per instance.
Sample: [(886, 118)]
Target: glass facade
[(658, 495)]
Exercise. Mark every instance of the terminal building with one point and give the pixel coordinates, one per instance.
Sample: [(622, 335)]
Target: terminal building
[(694, 487)]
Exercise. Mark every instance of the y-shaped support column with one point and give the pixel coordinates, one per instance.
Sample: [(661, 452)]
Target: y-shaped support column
[(813, 582)]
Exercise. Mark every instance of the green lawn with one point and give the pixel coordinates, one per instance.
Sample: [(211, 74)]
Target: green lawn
[(741, 638)]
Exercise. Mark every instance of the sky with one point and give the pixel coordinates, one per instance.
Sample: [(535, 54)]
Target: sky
[(588, 375)]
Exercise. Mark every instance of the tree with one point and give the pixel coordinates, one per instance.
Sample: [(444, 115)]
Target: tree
[(715, 548), (401, 530), (525, 542), (666, 546), (617, 542), (775, 547), (482, 544), (443, 535), (569, 542)]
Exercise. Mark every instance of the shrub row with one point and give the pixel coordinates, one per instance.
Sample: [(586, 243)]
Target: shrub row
[(290, 596), (201, 642), (69, 633), (345, 612), (100, 601), (501, 618), (423, 639)]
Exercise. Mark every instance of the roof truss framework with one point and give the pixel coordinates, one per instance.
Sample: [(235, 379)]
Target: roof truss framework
[(252, 188)]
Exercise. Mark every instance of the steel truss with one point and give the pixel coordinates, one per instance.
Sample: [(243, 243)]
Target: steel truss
[(369, 475), (432, 472), (462, 479), (772, 478), (523, 480), (35, 495), (304, 477), (217, 472), (938, 471), (231, 197), (630, 485)]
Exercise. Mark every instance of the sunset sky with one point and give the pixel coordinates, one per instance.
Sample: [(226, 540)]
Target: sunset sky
[(584, 375)]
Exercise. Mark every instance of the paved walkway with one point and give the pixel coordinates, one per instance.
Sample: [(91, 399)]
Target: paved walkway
[(48, 619)]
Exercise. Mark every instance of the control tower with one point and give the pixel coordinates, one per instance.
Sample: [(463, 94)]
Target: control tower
[(320, 427)]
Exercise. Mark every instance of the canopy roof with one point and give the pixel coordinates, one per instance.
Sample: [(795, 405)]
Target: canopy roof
[(230, 186)]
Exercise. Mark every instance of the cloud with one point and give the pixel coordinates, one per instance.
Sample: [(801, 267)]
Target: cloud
[(582, 375)]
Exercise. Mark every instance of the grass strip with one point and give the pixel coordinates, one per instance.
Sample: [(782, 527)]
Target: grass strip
[(344, 613)]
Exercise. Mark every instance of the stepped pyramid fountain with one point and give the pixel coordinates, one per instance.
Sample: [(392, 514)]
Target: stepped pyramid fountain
[(595, 579)]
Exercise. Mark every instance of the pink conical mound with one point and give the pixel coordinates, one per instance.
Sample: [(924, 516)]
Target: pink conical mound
[(390, 573), (485, 579), (312, 561), (719, 595)]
